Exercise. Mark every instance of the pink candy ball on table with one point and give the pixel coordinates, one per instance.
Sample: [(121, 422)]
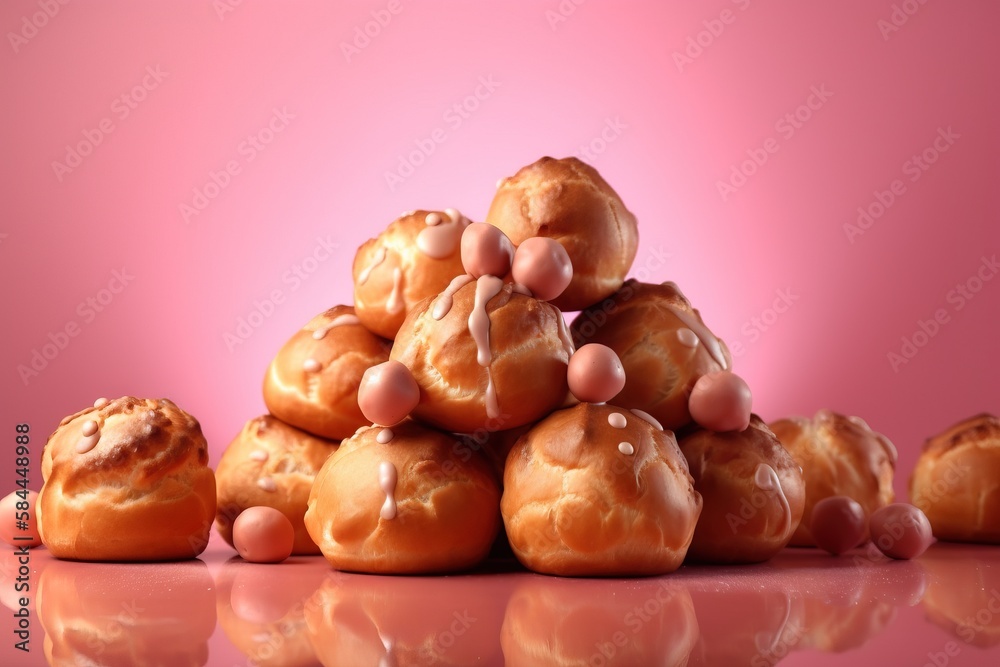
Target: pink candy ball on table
[(595, 374), (838, 524), (720, 402), (263, 535), (900, 531), (543, 266), (486, 251), (13, 509), (388, 393)]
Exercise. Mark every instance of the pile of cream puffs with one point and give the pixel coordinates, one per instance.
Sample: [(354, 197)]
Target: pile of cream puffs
[(452, 407)]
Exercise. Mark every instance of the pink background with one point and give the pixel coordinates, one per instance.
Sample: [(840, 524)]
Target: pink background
[(674, 131)]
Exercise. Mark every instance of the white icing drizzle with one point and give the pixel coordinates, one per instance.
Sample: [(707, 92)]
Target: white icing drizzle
[(617, 420), (311, 365), (90, 437), (707, 338), (338, 321), (444, 301), (267, 484), (395, 302), (487, 287), (649, 418), (89, 427), (492, 403), (441, 240), (387, 478), (626, 448), (259, 455), (687, 337), (518, 288), (766, 479), (367, 271), (384, 436), (566, 339)]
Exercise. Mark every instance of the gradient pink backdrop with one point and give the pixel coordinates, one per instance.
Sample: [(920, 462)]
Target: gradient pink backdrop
[(609, 65)]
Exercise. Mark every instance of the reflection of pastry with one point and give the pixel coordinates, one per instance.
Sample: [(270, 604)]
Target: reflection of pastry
[(273, 464), (127, 479), (414, 258), (752, 491), (598, 490), (135, 614), (485, 356), (567, 200), (662, 343), (957, 481), (598, 622), (840, 456), (403, 500), (744, 626), (312, 383), (262, 609), (963, 595)]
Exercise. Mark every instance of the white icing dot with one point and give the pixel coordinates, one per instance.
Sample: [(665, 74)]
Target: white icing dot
[(617, 420), (259, 455), (500, 182), (453, 214), (433, 219), (89, 427), (384, 436), (626, 448), (311, 366), (267, 484), (687, 337), (100, 403), (87, 443)]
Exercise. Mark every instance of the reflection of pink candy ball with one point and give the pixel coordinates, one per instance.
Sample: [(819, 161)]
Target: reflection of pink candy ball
[(900, 531), (11, 513), (486, 251), (388, 393), (543, 266), (595, 373), (838, 524), (263, 535), (720, 402)]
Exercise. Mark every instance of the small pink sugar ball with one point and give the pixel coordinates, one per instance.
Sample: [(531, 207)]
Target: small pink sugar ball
[(543, 266), (388, 393), (486, 251), (900, 531), (838, 524), (263, 535), (13, 510), (595, 373), (721, 401)]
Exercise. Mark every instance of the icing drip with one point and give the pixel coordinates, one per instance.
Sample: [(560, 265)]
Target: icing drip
[(707, 338), (91, 434), (617, 420), (338, 321), (626, 448), (384, 436), (311, 366), (89, 427), (387, 481), (687, 337), (395, 302), (432, 219), (259, 455), (487, 287), (767, 481), (376, 260), (447, 297), (267, 484), (440, 240), (566, 339), (649, 418), (492, 404)]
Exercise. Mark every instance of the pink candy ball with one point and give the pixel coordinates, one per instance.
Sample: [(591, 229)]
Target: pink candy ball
[(388, 393), (900, 531), (263, 535), (838, 524), (721, 401), (543, 266), (486, 251), (595, 374), (14, 508)]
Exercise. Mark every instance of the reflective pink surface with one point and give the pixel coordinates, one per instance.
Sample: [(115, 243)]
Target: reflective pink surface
[(802, 608)]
